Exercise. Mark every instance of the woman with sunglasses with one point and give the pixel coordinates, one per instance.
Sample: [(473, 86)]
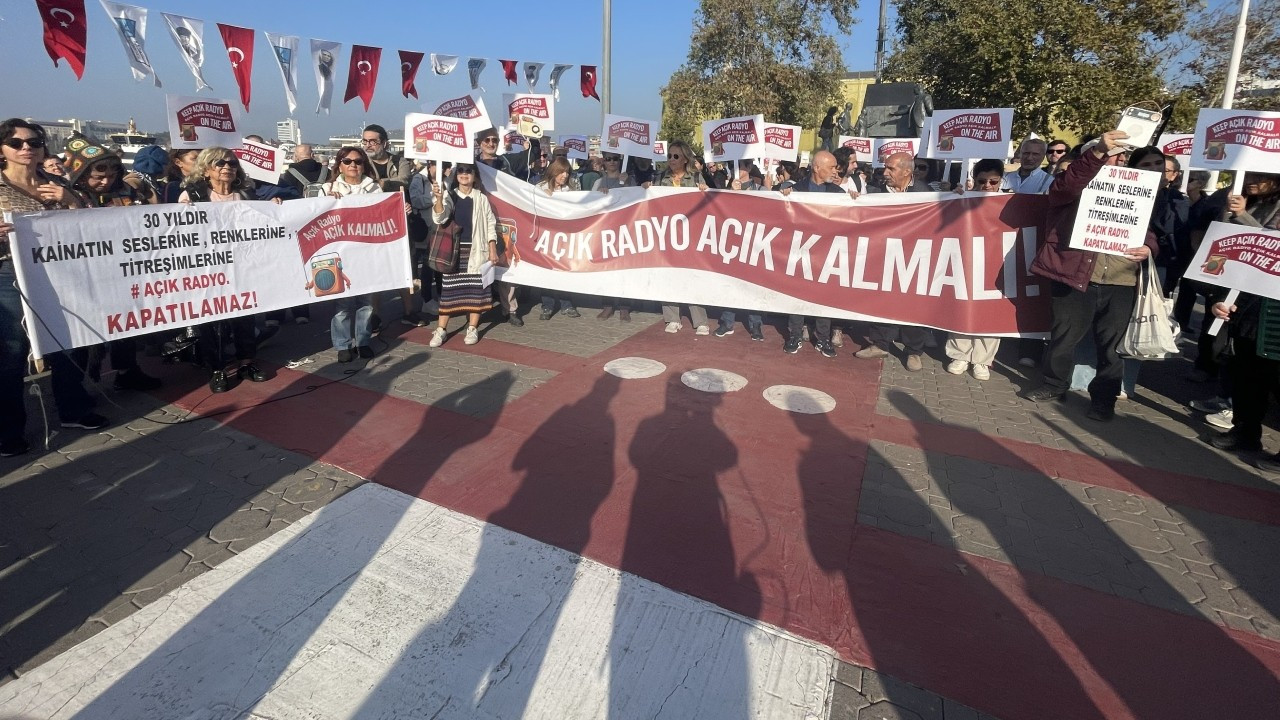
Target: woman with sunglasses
[(613, 178), (682, 171), (25, 187), (353, 174), (475, 229), (217, 176)]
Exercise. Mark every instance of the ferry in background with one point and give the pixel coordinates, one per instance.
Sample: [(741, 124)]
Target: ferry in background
[(129, 142)]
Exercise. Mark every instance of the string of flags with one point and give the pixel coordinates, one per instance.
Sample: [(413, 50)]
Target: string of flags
[(66, 38)]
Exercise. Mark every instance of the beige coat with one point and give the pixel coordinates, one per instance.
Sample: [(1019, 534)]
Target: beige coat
[(484, 227)]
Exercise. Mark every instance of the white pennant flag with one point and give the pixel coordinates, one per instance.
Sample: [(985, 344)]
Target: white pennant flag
[(188, 33), (131, 24), (475, 66), (554, 82), (324, 59), (443, 64), (286, 51), (531, 72)]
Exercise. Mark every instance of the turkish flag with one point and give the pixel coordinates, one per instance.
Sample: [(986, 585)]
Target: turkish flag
[(65, 30), (509, 69), (589, 81), (239, 42), (363, 73), (409, 62)]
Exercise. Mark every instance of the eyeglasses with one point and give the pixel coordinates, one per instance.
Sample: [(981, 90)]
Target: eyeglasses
[(486, 141), (17, 143), (371, 141), (225, 162), (351, 161)]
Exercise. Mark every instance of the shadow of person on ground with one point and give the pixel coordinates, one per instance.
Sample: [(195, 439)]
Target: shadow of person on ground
[(239, 644)]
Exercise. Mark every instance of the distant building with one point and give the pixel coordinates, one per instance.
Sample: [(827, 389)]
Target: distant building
[(288, 131), (60, 131), (395, 137)]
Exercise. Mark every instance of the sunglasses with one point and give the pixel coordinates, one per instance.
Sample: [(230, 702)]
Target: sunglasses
[(990, 182), (465, 171), (675, 157), (351, 161), (1057, 152), (486, 141), (17, 143), (227, 162)]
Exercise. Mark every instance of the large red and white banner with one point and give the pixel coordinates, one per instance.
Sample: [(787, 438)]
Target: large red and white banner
[(957, 263), (95, 275)]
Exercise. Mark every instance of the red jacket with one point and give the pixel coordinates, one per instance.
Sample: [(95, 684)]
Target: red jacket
[(1055, 260)]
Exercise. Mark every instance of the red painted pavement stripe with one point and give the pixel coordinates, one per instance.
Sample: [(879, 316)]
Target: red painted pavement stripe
[(1166, 487), (498, 350)]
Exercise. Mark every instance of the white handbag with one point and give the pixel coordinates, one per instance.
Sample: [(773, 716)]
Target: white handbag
[(1153, 333)]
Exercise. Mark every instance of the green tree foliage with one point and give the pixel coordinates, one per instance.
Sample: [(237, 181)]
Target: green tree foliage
[(776, 57), (1071, 62), (1210, 33)]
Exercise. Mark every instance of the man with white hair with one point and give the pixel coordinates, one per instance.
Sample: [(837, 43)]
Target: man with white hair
[(1029, 179), (304, 170)]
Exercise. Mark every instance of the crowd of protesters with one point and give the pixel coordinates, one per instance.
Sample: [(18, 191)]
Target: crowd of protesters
[(1092, 294)]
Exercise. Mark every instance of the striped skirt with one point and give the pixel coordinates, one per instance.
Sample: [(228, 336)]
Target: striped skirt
[(463, 292)]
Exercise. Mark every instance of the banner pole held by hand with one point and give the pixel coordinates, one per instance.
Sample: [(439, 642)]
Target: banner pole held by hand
[(1217, 322)]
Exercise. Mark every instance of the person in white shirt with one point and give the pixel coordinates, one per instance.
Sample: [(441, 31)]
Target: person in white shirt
[(1029, 179)]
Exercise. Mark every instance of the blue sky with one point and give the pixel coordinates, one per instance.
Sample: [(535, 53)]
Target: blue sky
[(650, 40)]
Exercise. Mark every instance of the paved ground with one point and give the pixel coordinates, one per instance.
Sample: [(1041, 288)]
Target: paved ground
[(964, 553)]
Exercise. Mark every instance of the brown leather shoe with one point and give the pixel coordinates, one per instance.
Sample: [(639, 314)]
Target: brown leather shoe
[(606, 312), (624, 314), (914, 363)]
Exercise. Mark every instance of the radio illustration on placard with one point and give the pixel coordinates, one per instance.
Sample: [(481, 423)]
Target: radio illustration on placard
[(327, 277)]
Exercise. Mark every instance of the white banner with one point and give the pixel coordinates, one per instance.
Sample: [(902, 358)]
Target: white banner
[(261, 162), (324, 60), (541, 108), (882, 148), (735, 138), (576, 145), (437, 137), (781, 142), (443, 64), (861, 147), (1237, 140), (962, 134), (629, 136), (97, 275), (1115, 209), (468, 108), (131, 25), (1240, 257), (197, 123), (188, 34), (285, 48)]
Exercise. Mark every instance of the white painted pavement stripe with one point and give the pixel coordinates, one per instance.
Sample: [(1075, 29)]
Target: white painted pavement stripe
[(381, 605)]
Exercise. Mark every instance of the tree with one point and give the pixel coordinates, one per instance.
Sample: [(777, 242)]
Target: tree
[(780, 58), (1210, 33), (1073, 63)]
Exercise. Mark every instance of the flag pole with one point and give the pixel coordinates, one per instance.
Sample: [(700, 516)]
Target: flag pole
[(606, 63), (1233, 71)]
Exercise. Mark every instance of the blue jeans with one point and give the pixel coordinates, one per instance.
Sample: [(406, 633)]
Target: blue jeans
[(69, 395), (340, 327), (754, 321)]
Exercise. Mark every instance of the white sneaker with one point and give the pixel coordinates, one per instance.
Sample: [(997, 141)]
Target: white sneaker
[(1222, 419), (837, 337), (472, 337), (437, 337), (702, 330), (981, 372), (673, 327), (957, 367)]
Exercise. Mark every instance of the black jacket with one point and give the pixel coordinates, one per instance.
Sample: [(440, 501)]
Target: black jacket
[(309, 168), (915, 186)]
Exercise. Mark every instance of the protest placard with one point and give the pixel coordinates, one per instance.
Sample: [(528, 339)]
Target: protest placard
[(659, 150), (575, 144), (962, 134), (198, 123), (861, 147), (512, 140), (1114, 211), (950, 262), (439, 138), (628, 136), (735, 138), (540, 108), (95, 275), (469, 108), (781, 142), (882, 148), (1239, 257), (260, 161), (1236, 140), (1177, 145)]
